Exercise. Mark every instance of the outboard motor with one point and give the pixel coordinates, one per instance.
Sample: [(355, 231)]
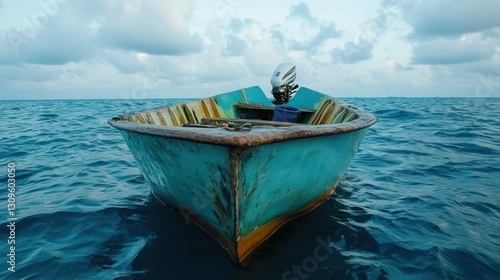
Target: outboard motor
[(282, 82)]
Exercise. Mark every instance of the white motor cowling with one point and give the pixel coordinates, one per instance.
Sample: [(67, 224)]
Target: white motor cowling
[(282, 82)]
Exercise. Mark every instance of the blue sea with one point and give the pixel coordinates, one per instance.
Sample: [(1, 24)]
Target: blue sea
[(421, 200)]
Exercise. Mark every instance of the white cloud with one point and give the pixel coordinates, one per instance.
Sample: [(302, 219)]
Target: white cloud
[(302, 11), (391, 64), (107, 48), (452, 51), (155, 27), (234, 46), (261, 55), (446, 18), (353, 52), (77, 31)]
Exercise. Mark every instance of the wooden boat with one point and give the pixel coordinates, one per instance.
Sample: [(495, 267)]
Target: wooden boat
[(226, 165)]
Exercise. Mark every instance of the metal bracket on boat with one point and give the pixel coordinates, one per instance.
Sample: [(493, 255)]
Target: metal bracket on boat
[(227, 126), (238, 127)]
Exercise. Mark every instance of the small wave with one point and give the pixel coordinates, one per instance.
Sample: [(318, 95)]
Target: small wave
[(398, 114), (48, 116), (456, 264), (420, 199)]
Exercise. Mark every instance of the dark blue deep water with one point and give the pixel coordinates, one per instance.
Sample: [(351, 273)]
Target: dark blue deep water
[(421, 200)]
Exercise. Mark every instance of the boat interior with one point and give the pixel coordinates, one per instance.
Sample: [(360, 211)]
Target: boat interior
[(249, 105)]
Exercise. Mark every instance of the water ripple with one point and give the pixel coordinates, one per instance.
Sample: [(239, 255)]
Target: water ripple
[(419, 201)]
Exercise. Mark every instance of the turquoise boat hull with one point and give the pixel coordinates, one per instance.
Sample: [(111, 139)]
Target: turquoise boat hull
[(241, 185)]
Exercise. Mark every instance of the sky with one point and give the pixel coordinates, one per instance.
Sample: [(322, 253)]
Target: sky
[(53, 49)]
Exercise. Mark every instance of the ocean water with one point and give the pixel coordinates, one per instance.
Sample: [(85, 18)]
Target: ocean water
[(421, 200)]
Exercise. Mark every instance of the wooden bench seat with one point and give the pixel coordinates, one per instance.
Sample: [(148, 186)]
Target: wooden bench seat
[(208, 121), (263, 107)]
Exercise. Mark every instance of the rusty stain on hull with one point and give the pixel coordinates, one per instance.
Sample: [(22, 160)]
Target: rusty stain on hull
[(249, 242), (230, 245), (241, 248)]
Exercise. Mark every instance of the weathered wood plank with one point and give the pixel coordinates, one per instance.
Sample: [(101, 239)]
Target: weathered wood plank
[(263, 107), (251, 121)]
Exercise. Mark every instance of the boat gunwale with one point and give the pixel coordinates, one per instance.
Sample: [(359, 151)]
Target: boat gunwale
[(258, 135)]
